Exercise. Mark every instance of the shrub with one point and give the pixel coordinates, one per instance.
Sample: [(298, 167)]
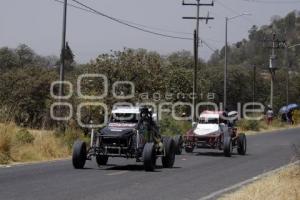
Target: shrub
[(296, 116), (249, 125), (169, 126), (278, 123), (6, 135), (51, 147), (5, 148), (20, 145), (70, 136), (23, 136)]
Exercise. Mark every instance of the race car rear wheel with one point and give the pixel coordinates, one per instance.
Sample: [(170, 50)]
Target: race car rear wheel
[(149, 156), (178, 144), (242, 144), (101, 160), (170, 150), (227, 146), (79, 154)]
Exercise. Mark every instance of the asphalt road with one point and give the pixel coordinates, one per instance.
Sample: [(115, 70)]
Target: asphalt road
[(194, 176)]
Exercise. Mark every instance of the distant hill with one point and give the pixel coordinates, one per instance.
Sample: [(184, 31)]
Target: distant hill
[(254, 50)]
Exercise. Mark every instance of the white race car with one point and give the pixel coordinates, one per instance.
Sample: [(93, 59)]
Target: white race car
[(214, 131)]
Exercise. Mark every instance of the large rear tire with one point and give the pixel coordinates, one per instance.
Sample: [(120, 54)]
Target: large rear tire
[(242, 144), (149, 157), (101, 160), (79, 154), (168, 159), (227, 146), (178, 144)]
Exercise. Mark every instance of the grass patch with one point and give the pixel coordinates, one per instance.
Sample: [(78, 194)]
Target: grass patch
[(23, 136), (170, 127), (6, 143), (282, 185), (23, 145), (249, 125), (253, 127)]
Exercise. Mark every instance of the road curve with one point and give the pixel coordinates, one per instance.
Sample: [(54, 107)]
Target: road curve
[(194, 176)]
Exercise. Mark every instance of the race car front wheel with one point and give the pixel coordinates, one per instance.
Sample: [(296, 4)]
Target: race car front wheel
[(79, 154), (227, 146), (178, 143), (149, 157), (242, 144), (169, 158)]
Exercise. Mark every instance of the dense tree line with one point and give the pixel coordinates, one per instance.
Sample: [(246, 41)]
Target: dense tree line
[(26, 77)]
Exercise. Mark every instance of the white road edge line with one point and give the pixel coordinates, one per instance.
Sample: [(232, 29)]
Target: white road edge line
[(246, 182), (117, 173), (34, 163)]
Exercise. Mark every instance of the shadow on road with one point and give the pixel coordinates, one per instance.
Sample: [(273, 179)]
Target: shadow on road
[(212, 154), (216, 154), (132, 168)]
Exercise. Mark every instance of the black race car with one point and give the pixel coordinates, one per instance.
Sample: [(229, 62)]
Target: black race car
[(130, 133)]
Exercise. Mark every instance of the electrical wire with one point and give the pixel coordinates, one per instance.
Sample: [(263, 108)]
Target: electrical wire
[(129, 25), (130, 22), (134, 25), (234, 11)]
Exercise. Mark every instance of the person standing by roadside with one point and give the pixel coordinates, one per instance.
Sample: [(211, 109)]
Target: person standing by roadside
[(289, 117), (269, 115), (292, 117)]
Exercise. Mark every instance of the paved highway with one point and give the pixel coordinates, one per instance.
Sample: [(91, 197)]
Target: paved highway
[(194, 175)]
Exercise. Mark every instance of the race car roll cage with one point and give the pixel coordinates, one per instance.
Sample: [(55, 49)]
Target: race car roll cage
[(153, 136)]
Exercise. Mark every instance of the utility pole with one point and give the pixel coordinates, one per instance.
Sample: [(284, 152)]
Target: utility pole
[(226, 56), (286, 63), (276, 44), (226, 63), (196, 47), (63, 48), (272, 68), (253, 86)]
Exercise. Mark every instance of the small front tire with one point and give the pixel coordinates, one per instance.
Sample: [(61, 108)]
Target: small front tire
[(149, 157), (79, 154), (178, 144), (227, 146), (242, 144), (168, 159)]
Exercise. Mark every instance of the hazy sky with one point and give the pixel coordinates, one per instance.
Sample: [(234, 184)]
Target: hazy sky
[(38, 23)]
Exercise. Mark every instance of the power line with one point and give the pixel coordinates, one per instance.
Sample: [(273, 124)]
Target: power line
[(234, 11), (208, 46), (134, 25), (74, 6), (130, 22), (129, 25)]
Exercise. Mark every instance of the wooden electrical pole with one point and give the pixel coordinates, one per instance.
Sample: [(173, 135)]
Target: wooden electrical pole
[(196, 47), (276, 44), (63, 48)]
